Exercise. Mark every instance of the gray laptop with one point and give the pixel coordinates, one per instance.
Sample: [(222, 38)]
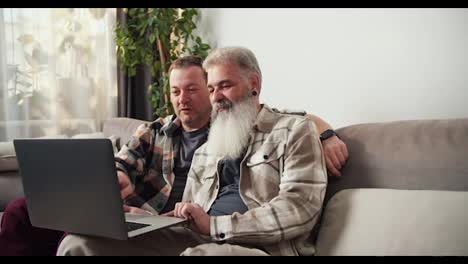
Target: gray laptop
[(71, 185)]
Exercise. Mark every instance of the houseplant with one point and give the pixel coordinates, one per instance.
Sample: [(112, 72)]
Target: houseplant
[(155, 37)]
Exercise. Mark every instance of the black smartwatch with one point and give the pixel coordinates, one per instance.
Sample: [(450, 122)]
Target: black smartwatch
[(328, 134)]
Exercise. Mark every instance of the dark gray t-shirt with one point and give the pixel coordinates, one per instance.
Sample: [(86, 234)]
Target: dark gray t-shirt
[(189, 142), (228, 200)]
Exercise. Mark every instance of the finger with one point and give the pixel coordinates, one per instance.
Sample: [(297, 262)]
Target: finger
[(334, 160), (129, 209), (137, 210), (335, 172), (186, 211), (171, 213), (176, 209), (340, 156), (331, 168), (344, 149), (328, 163)]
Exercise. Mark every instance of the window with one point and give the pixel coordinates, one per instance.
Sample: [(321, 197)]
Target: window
[(57, 71)]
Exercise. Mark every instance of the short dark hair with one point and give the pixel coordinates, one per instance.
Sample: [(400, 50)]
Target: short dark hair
[(188, 61)]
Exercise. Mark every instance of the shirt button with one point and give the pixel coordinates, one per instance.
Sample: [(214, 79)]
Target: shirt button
[(217, 187), (222, 235), (265, 157)]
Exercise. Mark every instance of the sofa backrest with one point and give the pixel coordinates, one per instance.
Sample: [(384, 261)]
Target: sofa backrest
[(413, 155), (422, 154), (122, 127)]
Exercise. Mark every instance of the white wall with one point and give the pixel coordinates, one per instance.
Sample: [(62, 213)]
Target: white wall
[(353, 66)]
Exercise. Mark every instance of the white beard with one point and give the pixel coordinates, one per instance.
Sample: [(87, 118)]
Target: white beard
[(230, 130)]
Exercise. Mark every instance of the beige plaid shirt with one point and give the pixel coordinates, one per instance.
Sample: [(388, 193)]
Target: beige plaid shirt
[(282, 181)]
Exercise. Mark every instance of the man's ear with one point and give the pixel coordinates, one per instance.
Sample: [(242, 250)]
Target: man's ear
[(254, 82)]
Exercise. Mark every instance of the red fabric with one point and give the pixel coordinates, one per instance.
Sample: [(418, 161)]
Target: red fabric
[(19, 238)]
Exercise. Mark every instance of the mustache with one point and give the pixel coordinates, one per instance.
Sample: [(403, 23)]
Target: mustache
[(223, 104)]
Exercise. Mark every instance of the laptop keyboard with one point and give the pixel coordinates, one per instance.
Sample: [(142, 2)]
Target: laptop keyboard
[(134, 226)]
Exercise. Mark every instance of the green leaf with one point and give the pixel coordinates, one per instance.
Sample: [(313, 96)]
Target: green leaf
[(152, 37), (142, 32)]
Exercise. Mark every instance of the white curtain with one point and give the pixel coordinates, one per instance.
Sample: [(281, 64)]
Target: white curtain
[(58, 73)]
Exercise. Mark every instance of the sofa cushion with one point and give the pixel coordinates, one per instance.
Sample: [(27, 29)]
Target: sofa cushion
[(8, 163), (395, 222), (7, 148), (7, 157)]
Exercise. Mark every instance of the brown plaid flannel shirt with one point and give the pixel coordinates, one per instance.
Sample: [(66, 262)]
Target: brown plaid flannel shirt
[(282, 181), (148, 159)]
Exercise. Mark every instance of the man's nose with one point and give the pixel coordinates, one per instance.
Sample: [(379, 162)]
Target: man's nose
[(216, 96), (183, 98)]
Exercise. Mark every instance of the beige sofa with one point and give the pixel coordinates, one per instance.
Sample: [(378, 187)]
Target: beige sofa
[(404, 189)]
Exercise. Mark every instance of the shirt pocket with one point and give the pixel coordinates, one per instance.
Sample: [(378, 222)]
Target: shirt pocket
[(267, 153), (203, 175), (203, 168), (205, 182), (265, 167)]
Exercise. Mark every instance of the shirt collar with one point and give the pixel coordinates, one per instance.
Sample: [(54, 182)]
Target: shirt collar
[(266, 118), (172, 125)]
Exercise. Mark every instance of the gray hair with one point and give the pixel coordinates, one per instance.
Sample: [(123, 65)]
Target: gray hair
[(240, 56)]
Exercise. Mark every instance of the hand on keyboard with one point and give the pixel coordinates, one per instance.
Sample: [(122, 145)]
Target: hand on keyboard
[(135, 210)]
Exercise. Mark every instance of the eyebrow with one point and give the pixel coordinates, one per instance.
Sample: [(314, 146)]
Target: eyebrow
[(221, 82), (188, 85)]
